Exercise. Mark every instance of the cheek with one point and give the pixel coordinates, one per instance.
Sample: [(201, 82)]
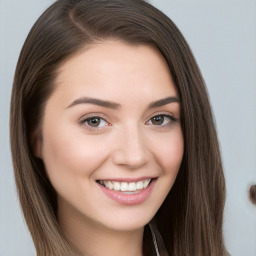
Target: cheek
[(170, 153), (68, 154)]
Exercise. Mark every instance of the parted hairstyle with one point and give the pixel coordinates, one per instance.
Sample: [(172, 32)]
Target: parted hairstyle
[(190, 220)]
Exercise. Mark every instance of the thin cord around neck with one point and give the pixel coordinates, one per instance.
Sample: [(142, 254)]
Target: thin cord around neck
[(154, 240)]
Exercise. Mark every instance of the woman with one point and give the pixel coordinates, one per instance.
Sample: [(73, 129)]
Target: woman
[(113, 141)]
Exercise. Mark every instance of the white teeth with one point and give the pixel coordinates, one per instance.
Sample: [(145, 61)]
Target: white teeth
[(131, 192), (139, 185), (126, 186), (110, 185), (146, 182), (117, 186), (132, 186)]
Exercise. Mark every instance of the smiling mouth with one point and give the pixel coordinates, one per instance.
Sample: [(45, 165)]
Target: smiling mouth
[(126, 187)]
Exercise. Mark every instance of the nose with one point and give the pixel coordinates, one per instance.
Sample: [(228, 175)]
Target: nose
[(131, 150)]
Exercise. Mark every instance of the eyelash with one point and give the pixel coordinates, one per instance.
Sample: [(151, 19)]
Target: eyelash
[(170, 117), (85, 121), (88, 119)]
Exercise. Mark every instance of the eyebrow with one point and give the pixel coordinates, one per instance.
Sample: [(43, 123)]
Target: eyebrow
[(113, 105), (103, 103), (163, 102)]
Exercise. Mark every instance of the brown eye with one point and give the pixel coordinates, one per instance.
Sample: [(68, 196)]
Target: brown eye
[(94, 121), (157, 120), (161, 120)]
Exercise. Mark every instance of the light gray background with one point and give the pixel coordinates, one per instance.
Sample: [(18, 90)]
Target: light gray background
[(222, 35)]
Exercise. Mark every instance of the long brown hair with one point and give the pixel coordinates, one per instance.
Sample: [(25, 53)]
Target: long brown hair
[(190, 219)]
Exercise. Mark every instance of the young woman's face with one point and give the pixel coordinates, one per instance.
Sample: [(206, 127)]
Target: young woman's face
[(112, 142)]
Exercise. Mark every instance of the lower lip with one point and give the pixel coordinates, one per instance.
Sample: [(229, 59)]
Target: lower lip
[(129, 199)]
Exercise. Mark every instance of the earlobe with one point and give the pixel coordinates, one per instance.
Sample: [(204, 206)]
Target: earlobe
[(36, 141)]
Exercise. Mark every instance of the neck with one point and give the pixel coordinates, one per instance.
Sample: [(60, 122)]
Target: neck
[(94, 239)]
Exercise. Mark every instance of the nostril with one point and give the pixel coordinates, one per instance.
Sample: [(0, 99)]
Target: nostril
[(252, 194)]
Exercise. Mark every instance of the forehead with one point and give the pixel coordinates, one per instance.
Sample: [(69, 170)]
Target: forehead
[(115, 67)]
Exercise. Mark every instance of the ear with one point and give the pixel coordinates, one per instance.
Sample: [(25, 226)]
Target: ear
[(36, 141)]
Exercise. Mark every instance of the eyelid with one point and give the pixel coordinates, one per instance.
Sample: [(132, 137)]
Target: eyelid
[(164, 114), (84, 118), (91, 115)]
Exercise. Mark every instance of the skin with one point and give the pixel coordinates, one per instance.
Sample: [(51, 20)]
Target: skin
[(128, 143)]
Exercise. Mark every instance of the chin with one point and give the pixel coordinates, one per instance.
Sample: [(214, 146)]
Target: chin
[(128, 221)]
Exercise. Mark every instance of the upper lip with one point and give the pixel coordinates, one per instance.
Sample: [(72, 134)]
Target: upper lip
[(128, 179)]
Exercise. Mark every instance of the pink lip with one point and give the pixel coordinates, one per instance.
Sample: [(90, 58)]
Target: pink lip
[(129, 199), (128, 179)]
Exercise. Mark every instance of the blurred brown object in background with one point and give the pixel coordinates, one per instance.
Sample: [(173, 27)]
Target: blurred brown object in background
[(252, 194)]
